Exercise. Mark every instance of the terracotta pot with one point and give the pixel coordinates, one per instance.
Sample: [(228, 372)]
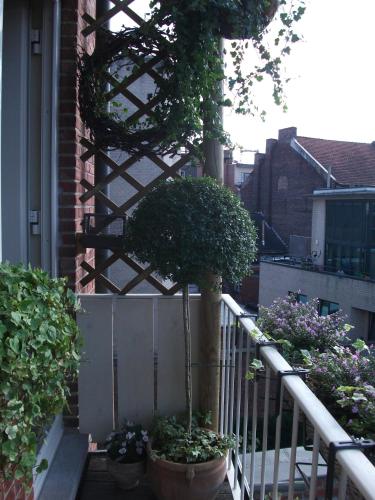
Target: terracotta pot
[(171, 481), (126, 476)]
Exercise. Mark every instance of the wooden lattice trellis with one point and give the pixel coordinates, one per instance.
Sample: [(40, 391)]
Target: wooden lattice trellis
[(121, 87)]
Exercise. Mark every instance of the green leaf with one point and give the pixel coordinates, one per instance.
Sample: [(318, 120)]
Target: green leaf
[(11, 431), (360, 345)]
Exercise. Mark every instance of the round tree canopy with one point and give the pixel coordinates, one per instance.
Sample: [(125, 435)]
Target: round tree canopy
[(188, 227)]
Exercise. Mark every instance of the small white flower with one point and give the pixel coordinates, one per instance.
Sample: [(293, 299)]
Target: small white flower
[(130, 435), (130, 424), (145, 439), (122, 451)]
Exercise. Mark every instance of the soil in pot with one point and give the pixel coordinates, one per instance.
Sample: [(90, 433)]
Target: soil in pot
[(126, 476)]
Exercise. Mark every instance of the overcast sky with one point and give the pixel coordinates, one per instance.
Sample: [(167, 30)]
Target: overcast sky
[(332, 92), (332, 95)]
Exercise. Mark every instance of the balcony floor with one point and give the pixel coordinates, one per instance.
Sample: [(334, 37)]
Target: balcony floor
[(97, 484)]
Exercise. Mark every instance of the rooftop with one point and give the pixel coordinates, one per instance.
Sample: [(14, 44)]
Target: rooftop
[(352, 163)]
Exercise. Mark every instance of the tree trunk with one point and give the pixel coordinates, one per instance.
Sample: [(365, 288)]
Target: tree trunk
[(210, 343), (187, 335)]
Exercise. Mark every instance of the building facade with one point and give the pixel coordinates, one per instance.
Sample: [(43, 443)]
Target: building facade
[(341, 269)]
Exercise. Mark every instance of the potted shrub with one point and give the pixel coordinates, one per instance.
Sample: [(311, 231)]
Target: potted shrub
[(126, 455), (39, 353), (188, 229)]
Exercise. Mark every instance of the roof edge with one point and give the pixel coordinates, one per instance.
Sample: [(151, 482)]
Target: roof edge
[(298, 148)]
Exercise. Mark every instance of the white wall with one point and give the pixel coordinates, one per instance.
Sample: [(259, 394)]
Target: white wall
[(145, 333)]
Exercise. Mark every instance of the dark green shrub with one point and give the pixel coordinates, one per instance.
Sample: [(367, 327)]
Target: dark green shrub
[(189, 227), (39, 349)]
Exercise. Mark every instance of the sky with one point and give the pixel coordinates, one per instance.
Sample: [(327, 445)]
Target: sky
[(331, 94)]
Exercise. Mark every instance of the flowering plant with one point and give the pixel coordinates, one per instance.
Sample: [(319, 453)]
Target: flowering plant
[(298, 327), (128, 445), (342, 379)]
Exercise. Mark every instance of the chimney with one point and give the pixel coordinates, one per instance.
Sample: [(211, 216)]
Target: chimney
[(228, 155), (270, 143), (258, 158), (287, 134)]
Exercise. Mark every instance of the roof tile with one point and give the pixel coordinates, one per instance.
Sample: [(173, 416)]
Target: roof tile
[(352, 163)]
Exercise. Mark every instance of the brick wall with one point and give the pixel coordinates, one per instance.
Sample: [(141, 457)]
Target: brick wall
[(281, 187), (12, 490), (72, 169)]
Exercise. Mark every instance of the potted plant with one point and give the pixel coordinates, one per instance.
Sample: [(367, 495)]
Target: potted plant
[(39, 354), (126, 450), (189, 229)]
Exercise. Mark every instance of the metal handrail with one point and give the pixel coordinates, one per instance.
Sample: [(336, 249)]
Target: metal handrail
[(354, 463)]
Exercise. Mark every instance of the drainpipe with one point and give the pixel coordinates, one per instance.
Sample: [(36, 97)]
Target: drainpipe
[(55, 76), (101, 169)]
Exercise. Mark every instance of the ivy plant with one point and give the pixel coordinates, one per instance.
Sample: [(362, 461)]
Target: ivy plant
[(39, 351), (172, 442), (187, 229), (183, 38)]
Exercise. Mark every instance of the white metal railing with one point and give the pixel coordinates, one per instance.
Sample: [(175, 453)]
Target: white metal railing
[(248, 471)]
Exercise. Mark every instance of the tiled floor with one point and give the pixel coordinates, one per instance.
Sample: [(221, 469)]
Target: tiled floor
[(97, 484)]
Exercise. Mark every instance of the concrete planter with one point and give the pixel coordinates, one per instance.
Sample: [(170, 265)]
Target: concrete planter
[(126, 476), (171, 481)]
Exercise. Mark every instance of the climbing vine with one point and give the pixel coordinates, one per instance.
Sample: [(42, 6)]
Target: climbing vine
[(184, 37)]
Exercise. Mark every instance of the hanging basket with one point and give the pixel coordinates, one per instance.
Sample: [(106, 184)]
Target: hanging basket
[(246, 19)]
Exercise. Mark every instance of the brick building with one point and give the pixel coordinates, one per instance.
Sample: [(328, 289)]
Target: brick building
[(279, 191)]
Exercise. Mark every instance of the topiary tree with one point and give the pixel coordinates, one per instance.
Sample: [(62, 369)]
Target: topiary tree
[(187, 229)]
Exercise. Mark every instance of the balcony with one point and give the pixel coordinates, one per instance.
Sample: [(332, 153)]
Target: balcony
[(133, 368), (307, 264)]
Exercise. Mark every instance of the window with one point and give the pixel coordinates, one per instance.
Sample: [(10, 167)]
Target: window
[(371, 327), (282, 183), (299, 297), (350, 237), (244, 176), (326, 307)]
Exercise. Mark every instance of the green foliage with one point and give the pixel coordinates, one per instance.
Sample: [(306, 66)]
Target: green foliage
[(39, 349), (188, 227), (172, 442), (184, 36), (254, 367)]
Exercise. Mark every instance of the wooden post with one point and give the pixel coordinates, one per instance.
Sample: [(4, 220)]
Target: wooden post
[(210, 323)]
